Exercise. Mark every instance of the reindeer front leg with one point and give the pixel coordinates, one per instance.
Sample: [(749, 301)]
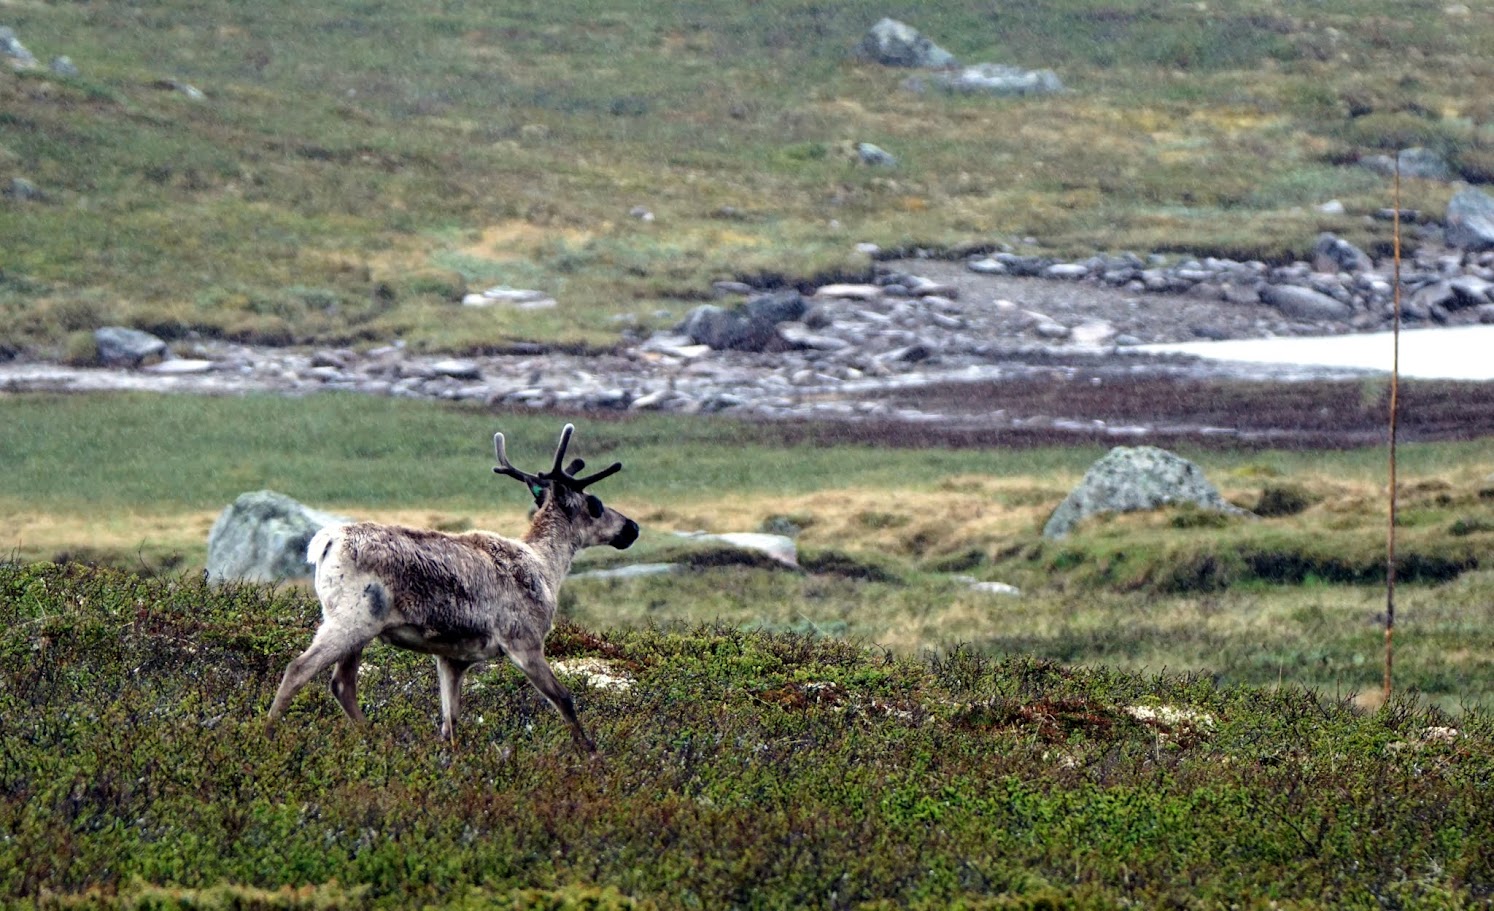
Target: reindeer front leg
[(450, 672), (531, 660)]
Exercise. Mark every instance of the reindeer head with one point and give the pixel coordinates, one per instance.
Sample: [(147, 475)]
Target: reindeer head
[(560, 489)]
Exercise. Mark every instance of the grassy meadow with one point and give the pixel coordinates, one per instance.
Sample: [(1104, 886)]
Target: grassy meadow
[(354, 166), (891, 539)]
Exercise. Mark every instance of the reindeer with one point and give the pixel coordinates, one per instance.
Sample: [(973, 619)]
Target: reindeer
[(462, 598)]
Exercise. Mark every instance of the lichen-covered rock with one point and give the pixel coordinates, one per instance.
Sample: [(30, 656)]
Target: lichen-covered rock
[(894, 43), (999, 79), (752, 326), (262, 537), (12, 51), (1470, 220), (122, 347), (1305, 303), (1128, 479), (1332, 253)]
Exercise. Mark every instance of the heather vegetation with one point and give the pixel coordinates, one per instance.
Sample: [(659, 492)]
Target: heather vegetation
[(739, 769), (354, 166)]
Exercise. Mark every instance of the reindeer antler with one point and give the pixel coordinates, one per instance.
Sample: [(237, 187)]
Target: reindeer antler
[(504, 467), (565, 476)]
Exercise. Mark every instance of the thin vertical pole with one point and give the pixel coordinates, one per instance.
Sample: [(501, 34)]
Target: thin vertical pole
[(1395, 383)]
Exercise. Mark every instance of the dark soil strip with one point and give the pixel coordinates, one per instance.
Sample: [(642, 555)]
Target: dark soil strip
[(1061, 409)]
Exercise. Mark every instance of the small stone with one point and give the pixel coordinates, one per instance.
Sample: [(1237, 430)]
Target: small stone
[(849, 292), (987, 266), (23, 190), (191, 92), (996, 588), (727, 288), (329, 358), (875, 156), (1093, 333), (520, 298), (924, 287), (1066, 271), (13, 51), (456, 369), (799, 335), (181, 367)]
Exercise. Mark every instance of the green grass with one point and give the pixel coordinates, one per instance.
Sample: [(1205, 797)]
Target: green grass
[(85, 454), (741, 769), (80, 453), (345, 146)]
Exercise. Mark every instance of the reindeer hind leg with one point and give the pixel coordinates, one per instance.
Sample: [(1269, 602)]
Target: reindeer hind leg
[(332, 643)]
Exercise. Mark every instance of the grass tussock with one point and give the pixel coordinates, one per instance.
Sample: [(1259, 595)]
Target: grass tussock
[(739, 768), (326, 189)]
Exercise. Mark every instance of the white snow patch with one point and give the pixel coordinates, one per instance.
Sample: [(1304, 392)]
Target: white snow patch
[(1445, 353)]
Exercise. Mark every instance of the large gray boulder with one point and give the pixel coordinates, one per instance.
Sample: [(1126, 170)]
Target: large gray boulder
[(1470, 220), (1128, 479), (893, 43), (752, 326), (122, 347), (1416, 163), (262, 537), (1305, 303)]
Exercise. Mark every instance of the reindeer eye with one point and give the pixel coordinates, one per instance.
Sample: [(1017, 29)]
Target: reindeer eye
[(594, 506)]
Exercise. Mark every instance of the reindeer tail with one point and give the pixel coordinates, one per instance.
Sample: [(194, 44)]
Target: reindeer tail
[(321, 543)]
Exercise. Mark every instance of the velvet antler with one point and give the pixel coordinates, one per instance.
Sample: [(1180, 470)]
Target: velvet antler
[(564, 476)]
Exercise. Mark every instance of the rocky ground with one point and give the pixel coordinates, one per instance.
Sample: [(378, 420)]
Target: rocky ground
[(1005, 349)]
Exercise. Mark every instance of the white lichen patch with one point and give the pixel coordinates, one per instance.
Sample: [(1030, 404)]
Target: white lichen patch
[(1432, 735), (597, 672), (1170, 716), (1438, 734)]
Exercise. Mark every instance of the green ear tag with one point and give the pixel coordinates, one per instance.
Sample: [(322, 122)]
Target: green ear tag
[(537, 490)]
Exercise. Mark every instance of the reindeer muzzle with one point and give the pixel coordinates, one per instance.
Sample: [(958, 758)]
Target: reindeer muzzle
[(626, 537)]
